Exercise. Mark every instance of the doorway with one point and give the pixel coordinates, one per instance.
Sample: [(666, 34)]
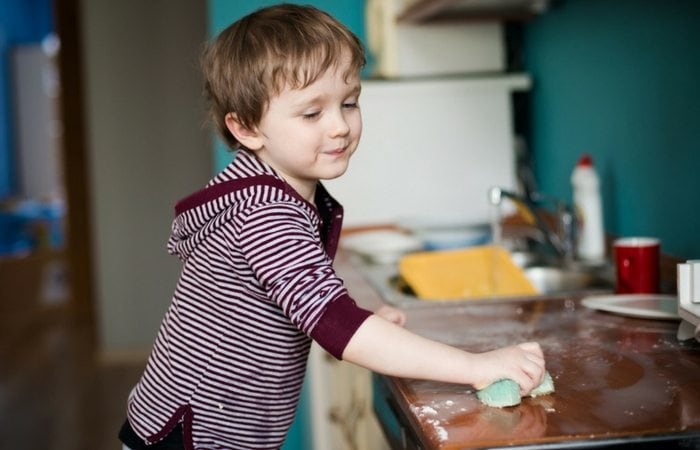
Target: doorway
[(45, 268)]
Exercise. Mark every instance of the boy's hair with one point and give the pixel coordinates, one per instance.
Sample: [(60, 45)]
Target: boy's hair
[(273, 48)]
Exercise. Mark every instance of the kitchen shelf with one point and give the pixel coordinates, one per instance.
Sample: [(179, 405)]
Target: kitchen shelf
[(435, 11), (479, 81)]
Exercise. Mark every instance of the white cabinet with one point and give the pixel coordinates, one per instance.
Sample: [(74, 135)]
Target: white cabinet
[(341, 405), (410, 38), (406, 49), (430, 149)]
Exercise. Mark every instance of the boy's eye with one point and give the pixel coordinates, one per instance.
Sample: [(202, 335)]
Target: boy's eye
[(311, 115), (350, 105)]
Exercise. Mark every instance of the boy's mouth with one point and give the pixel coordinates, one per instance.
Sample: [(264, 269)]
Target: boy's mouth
[(336, 151)]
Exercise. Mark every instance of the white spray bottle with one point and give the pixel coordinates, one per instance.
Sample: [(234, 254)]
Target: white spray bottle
[(589, 211)]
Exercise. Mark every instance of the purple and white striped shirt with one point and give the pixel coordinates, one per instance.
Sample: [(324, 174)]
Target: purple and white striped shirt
[(256, 286)]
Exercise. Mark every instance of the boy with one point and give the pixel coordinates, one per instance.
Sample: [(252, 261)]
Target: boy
[(257, 245)]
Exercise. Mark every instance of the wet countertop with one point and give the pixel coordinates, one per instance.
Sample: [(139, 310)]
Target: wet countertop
[(619, 380)]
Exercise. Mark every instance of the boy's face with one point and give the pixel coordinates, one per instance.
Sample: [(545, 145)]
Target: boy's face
[(310, 134)]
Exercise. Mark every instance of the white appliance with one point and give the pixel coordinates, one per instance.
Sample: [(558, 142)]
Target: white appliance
[(689, 299), (35, 89)]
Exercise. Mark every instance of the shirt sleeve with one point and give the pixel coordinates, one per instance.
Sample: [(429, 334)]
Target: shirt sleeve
[(341, 319), (284, 251)]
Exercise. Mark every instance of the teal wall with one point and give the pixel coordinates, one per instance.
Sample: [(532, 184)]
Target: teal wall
[(221, 14), (621, 80)]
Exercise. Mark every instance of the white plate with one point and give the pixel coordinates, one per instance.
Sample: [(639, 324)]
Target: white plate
[(646, 306)]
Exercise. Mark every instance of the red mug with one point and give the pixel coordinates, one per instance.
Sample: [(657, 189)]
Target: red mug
[(637, 265)]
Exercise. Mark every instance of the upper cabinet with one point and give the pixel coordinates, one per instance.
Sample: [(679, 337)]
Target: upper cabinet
[(420, 38), (436, 11)]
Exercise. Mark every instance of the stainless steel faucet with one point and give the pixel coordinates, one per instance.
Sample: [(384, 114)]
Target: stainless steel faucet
[(561, 238)]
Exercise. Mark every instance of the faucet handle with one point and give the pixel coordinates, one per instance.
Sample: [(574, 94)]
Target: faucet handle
[(567, 230)]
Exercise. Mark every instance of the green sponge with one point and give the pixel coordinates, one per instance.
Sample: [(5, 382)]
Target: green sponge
[(546, 387), (501, 393), (506, 392)]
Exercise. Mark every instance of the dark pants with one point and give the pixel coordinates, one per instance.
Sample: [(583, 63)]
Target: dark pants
[(172, 441)]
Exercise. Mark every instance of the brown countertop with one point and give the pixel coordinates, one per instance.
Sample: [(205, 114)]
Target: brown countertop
[(617, 379)]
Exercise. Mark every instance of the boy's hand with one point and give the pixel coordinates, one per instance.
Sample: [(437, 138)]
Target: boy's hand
[(392, 314), (523, 363)]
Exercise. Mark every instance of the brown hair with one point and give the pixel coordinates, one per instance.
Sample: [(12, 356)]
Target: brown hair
[(264, 52)]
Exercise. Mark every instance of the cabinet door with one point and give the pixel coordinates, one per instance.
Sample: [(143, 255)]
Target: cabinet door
[(341, 405)]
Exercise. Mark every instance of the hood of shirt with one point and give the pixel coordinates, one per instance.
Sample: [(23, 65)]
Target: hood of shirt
[(201, 213)]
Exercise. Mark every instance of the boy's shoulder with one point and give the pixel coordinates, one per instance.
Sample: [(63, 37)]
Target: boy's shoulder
[(236, 192)]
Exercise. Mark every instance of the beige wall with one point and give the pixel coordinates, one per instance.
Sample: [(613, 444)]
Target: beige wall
[(147, 148)]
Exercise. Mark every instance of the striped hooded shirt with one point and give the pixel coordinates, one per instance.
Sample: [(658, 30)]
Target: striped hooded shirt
[(257, 285)]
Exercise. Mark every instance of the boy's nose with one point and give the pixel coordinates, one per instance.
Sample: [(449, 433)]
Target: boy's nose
[(339, 125)]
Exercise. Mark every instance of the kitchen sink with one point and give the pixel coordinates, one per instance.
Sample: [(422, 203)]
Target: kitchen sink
[(558, 280), (548, 280)]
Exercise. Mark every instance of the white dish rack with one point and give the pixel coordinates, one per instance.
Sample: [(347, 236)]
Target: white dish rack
[(689, 299)]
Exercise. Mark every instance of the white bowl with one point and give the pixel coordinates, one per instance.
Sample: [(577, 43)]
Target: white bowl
[(382, 246)]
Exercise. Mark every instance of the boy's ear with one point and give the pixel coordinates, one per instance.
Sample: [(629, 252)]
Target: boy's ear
[(250, 139)]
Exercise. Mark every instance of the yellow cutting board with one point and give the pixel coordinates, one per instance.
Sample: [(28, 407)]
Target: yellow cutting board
[(483, 271)]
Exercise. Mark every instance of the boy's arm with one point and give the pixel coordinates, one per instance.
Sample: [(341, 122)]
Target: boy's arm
[(384, 347)]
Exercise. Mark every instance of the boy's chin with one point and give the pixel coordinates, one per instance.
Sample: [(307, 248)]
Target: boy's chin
[(333, 173)]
